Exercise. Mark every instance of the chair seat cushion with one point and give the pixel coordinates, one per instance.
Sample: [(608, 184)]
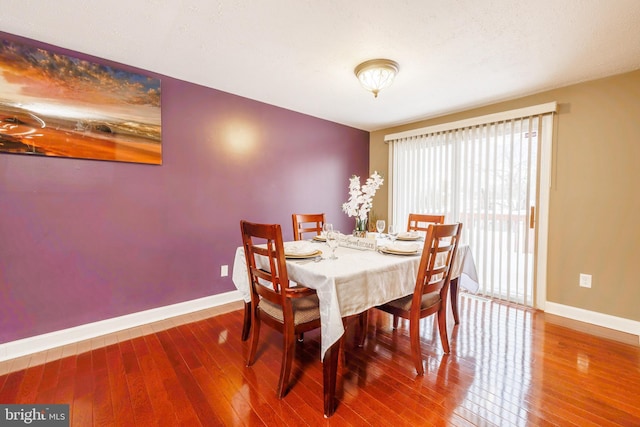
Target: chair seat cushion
[(305, 309), (404, 303)]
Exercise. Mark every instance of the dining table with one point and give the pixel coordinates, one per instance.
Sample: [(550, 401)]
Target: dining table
[(357, 280)]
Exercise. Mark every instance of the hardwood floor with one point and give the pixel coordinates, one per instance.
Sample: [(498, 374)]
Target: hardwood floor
[(507, 367)]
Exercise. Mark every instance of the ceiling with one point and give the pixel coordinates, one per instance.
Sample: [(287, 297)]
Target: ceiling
[(300, 54)]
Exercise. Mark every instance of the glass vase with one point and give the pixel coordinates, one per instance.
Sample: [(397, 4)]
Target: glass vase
[(361, 228)]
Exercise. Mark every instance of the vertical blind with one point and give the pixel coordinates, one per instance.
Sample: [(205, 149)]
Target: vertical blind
[(483, 175)]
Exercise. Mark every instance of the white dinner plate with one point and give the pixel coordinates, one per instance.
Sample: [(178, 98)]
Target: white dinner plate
[(320, 238), (303, 256), (398, 252)]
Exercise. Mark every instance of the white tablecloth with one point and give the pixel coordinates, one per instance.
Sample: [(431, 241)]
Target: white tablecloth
[(355, 282)]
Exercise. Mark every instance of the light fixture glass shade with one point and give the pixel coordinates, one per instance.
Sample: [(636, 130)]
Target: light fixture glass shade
[(376, 74)]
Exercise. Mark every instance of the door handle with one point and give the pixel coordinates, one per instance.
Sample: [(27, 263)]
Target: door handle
[(532, 217)]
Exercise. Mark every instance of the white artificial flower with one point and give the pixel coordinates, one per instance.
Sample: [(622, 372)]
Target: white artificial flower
[(361, 198)]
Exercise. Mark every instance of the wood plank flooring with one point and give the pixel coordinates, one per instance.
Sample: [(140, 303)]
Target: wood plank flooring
[(508, 367)]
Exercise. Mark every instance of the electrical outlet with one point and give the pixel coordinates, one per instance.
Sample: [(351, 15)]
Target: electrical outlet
[(585, 280), (224, 270)]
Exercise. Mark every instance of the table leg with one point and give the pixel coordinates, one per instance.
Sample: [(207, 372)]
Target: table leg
[(330, 374), (453, 294), (363, 324)]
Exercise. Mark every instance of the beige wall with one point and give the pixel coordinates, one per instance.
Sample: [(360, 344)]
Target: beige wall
[(594, 218)]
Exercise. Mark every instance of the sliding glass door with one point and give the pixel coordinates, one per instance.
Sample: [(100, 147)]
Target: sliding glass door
[(485, 177)]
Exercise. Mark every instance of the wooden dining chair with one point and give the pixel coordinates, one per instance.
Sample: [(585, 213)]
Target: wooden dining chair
[(290, 310), (420, 222), (432, 286), (307, 223)]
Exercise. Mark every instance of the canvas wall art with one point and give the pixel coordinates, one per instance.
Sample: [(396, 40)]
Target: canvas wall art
[(58, 105)]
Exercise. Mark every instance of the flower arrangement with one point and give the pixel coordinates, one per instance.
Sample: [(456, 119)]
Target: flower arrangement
[(361, 199)]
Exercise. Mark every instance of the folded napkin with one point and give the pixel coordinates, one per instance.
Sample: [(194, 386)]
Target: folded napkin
[(409, 235), (407, 248), (299, 248)]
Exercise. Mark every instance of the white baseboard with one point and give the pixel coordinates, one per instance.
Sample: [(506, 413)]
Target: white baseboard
[(605, 320), (51, 340)]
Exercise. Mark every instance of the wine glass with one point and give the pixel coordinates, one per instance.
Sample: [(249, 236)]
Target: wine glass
[(326, 228), (332, 242), (393, 232), (380, 224)]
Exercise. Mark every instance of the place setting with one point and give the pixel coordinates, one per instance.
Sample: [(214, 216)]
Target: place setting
[(301, 250), (410, 236), (400, 248)]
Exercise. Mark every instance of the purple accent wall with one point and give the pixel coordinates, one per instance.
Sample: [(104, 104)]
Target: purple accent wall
[(83, 241)]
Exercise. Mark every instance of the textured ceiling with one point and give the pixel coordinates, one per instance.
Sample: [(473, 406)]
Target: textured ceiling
[(300, 54)]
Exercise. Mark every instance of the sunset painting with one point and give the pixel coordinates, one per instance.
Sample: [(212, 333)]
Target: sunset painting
[(57, 105)]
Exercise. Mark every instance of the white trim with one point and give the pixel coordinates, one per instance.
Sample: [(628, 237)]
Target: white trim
[(534, 110), (390, 187), (51, 340), (542, 221), (600, 319)]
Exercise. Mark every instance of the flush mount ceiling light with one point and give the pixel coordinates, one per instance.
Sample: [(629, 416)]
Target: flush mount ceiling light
[(376, 74)]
